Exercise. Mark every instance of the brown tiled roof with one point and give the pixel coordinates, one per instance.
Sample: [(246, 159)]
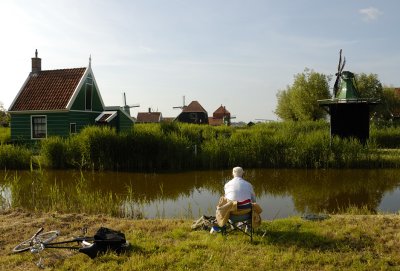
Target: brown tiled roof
[(148, 117), (221, 110), (48, 90), (194, 106)]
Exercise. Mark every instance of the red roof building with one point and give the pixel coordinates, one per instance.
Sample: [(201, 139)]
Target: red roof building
[(59, 103), (149, 117)]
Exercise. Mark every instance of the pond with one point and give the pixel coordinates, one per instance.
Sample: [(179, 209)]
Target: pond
[(281, 193)]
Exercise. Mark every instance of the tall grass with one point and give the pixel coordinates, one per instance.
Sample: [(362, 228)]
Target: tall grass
[(14, 157), (5, 135), (38, 193), (177, 146), (385, 135)]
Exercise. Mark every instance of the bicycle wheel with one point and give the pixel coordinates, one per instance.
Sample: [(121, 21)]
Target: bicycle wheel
[(43, 238)]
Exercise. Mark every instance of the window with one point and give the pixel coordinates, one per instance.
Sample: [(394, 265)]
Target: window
[(88, 97), (72, 128), (39, 127)]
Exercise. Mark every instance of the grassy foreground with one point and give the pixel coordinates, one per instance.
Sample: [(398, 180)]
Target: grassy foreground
[(342, 242)]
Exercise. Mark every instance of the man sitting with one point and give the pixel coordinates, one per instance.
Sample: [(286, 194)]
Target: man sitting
[(238, 200), (238, 189)]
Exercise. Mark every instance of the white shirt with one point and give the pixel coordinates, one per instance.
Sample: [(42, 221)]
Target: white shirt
[(239, 189)]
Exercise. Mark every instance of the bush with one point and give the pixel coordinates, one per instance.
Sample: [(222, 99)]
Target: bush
[(14, 157)]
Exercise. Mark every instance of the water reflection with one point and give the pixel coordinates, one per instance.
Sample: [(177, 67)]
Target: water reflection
[(281, 193)]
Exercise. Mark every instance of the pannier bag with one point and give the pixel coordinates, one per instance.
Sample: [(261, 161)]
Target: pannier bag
[(106, 240)]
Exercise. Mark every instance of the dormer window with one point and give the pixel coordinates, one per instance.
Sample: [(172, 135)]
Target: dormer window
[(88, 96)]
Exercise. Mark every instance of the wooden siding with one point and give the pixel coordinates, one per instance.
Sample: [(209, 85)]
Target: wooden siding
[(79, 103), (57, 123), (125, 123), (20, 127), (193, 117), (82, 119)]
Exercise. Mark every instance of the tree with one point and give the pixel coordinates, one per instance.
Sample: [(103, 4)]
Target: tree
[(4, 116), (299, 101), (390, 104), (370, 87), (284, 110)]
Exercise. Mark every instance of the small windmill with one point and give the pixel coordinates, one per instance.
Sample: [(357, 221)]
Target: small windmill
[(127, 108), (349, 112), (183, 104), (338, 74)]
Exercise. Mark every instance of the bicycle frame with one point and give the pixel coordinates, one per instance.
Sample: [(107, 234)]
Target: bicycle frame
[(78, 240), (84, 244)]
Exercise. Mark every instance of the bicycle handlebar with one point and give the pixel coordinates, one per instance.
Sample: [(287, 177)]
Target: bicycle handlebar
[(38, 232)]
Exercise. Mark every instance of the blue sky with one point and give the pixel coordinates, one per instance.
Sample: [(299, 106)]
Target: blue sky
[(235, 53)]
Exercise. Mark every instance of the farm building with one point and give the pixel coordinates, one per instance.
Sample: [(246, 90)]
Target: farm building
[(193, 113), (221, 116), (61, 102), (149, 117)]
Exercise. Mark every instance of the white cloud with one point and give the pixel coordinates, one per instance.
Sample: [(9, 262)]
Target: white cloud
[(370, 14)]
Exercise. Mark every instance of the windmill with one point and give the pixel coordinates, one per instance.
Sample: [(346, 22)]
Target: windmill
[(349, 112), (127, 108), (338, 74), (183, 105)]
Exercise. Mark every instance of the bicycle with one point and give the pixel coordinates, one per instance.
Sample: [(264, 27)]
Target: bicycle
[(105, 239)]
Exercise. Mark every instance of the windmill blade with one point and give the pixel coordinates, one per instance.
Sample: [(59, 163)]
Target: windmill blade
[(344, 62), (339, 73), (340, 60), (124, 98), (336, 86)]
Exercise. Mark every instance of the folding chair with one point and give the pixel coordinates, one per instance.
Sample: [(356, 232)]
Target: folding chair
[(242, 222)]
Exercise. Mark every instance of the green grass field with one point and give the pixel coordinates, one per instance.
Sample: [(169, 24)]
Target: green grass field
[(342, 242)]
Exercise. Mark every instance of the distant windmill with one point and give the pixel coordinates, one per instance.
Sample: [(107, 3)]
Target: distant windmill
[(127, 108), (183, 105)]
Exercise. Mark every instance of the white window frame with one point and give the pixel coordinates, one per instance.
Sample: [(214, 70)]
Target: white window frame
[(45, 123)]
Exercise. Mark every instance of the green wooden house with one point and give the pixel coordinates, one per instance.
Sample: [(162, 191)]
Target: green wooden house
[(61, 102)]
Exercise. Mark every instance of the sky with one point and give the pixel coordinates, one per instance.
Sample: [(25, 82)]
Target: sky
[(234, 53)]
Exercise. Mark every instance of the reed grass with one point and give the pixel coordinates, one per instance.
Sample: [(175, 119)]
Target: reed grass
[(37, 193), (386, 135), (177, 146), (15, 157), (5, 135)]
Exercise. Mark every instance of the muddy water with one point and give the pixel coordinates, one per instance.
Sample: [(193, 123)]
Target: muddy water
[(280, 193)]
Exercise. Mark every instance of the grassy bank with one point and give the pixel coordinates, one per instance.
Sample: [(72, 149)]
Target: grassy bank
[(345, 242)]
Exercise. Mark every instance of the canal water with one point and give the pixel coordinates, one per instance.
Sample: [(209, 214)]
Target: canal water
[(281, 193)]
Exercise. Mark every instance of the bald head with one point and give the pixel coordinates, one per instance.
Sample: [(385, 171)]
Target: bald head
[(237, 172)]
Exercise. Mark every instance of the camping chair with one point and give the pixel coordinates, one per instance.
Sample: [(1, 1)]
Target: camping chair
[(241, 222)]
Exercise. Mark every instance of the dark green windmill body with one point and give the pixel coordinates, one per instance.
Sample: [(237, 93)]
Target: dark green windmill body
[(349, 114)]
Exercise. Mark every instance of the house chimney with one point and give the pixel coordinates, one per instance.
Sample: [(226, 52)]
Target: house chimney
[(36, 63), (149, 109)]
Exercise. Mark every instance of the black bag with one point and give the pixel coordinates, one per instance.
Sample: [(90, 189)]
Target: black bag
[(106, 239)]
